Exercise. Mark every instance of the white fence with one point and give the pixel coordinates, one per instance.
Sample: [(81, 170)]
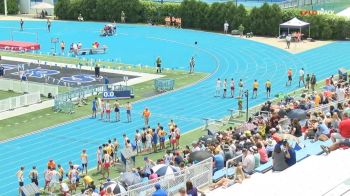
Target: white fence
[(199, 174), (19, 101), (28, 87)]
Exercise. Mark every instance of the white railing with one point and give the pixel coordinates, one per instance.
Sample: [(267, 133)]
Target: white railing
[(200, 174), (19, 101), (27, 87)]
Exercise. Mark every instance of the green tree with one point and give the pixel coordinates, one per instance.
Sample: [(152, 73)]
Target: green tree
[(12, 7), (61, 9), (194, 14)]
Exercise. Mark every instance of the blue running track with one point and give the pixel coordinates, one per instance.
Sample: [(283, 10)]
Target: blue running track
[(222, 56)]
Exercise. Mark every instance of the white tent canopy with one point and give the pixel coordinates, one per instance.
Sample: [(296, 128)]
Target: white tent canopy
[(42, 6), (345, 13), (295, 23)]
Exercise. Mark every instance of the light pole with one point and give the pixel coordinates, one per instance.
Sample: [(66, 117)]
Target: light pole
[(5, 7), (246, 94)]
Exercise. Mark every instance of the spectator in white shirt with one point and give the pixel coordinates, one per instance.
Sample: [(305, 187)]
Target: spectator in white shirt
[(340, 91), (226, 25), (195, 147), (248, 162)]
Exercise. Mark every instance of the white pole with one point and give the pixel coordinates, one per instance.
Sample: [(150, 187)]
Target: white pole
[(5, 6)]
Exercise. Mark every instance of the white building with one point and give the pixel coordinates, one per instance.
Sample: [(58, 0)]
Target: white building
[(25, 6)]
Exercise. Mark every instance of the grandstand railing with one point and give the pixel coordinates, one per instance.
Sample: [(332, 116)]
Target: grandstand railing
[(302, 3), (28, 87), (19, 101), (200, 174)]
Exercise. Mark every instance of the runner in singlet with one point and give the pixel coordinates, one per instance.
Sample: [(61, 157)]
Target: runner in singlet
[(63, 45), (268, 88), (108, 111), (84, 161), (218, 88), (138, 141), (116, 146), (225, 88), (289, 82), (99, 158), (255, 89), (94, 108), (128, 111), (33, 175), (240, 85), (107, 162), (102, 109), (117, 111), (232, 87)]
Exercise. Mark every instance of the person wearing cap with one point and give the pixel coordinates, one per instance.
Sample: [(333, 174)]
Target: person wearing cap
[(159, 191)]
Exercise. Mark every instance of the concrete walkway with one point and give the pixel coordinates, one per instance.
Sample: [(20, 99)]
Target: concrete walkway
[(25, 110)]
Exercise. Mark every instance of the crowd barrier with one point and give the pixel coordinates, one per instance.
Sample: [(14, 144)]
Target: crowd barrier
[(199, 174), (19, 101), (27, 87)]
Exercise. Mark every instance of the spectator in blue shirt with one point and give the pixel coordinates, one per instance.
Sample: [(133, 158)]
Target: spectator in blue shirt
[(159, 191), (154, 140), (218, 162), (291, 158), (322, 132)]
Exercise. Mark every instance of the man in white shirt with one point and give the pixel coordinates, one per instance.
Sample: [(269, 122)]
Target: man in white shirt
[(54, 180), (47, 177), (340, 91), (226, 25), (218, 88), (301, 76), (20, 174), (288, 40), (138, 141), (248, 162)]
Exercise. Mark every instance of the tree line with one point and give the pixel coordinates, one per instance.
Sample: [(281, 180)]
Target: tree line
[(196, 14)]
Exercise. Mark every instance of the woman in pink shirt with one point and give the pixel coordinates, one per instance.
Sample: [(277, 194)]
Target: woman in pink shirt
[(262, 152), (152, 175)]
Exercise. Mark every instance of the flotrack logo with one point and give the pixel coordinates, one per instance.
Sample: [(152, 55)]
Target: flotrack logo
[(317, 12)]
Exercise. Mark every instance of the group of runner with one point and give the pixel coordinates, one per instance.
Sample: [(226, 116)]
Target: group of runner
[(223, 85), (48, 24), (105, 108), (158, 63), (54, 175)]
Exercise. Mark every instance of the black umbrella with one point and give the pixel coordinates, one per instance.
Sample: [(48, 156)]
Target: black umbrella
[(130, 178), (115, 186), (297, 114), (208, 139), (199, 156)]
